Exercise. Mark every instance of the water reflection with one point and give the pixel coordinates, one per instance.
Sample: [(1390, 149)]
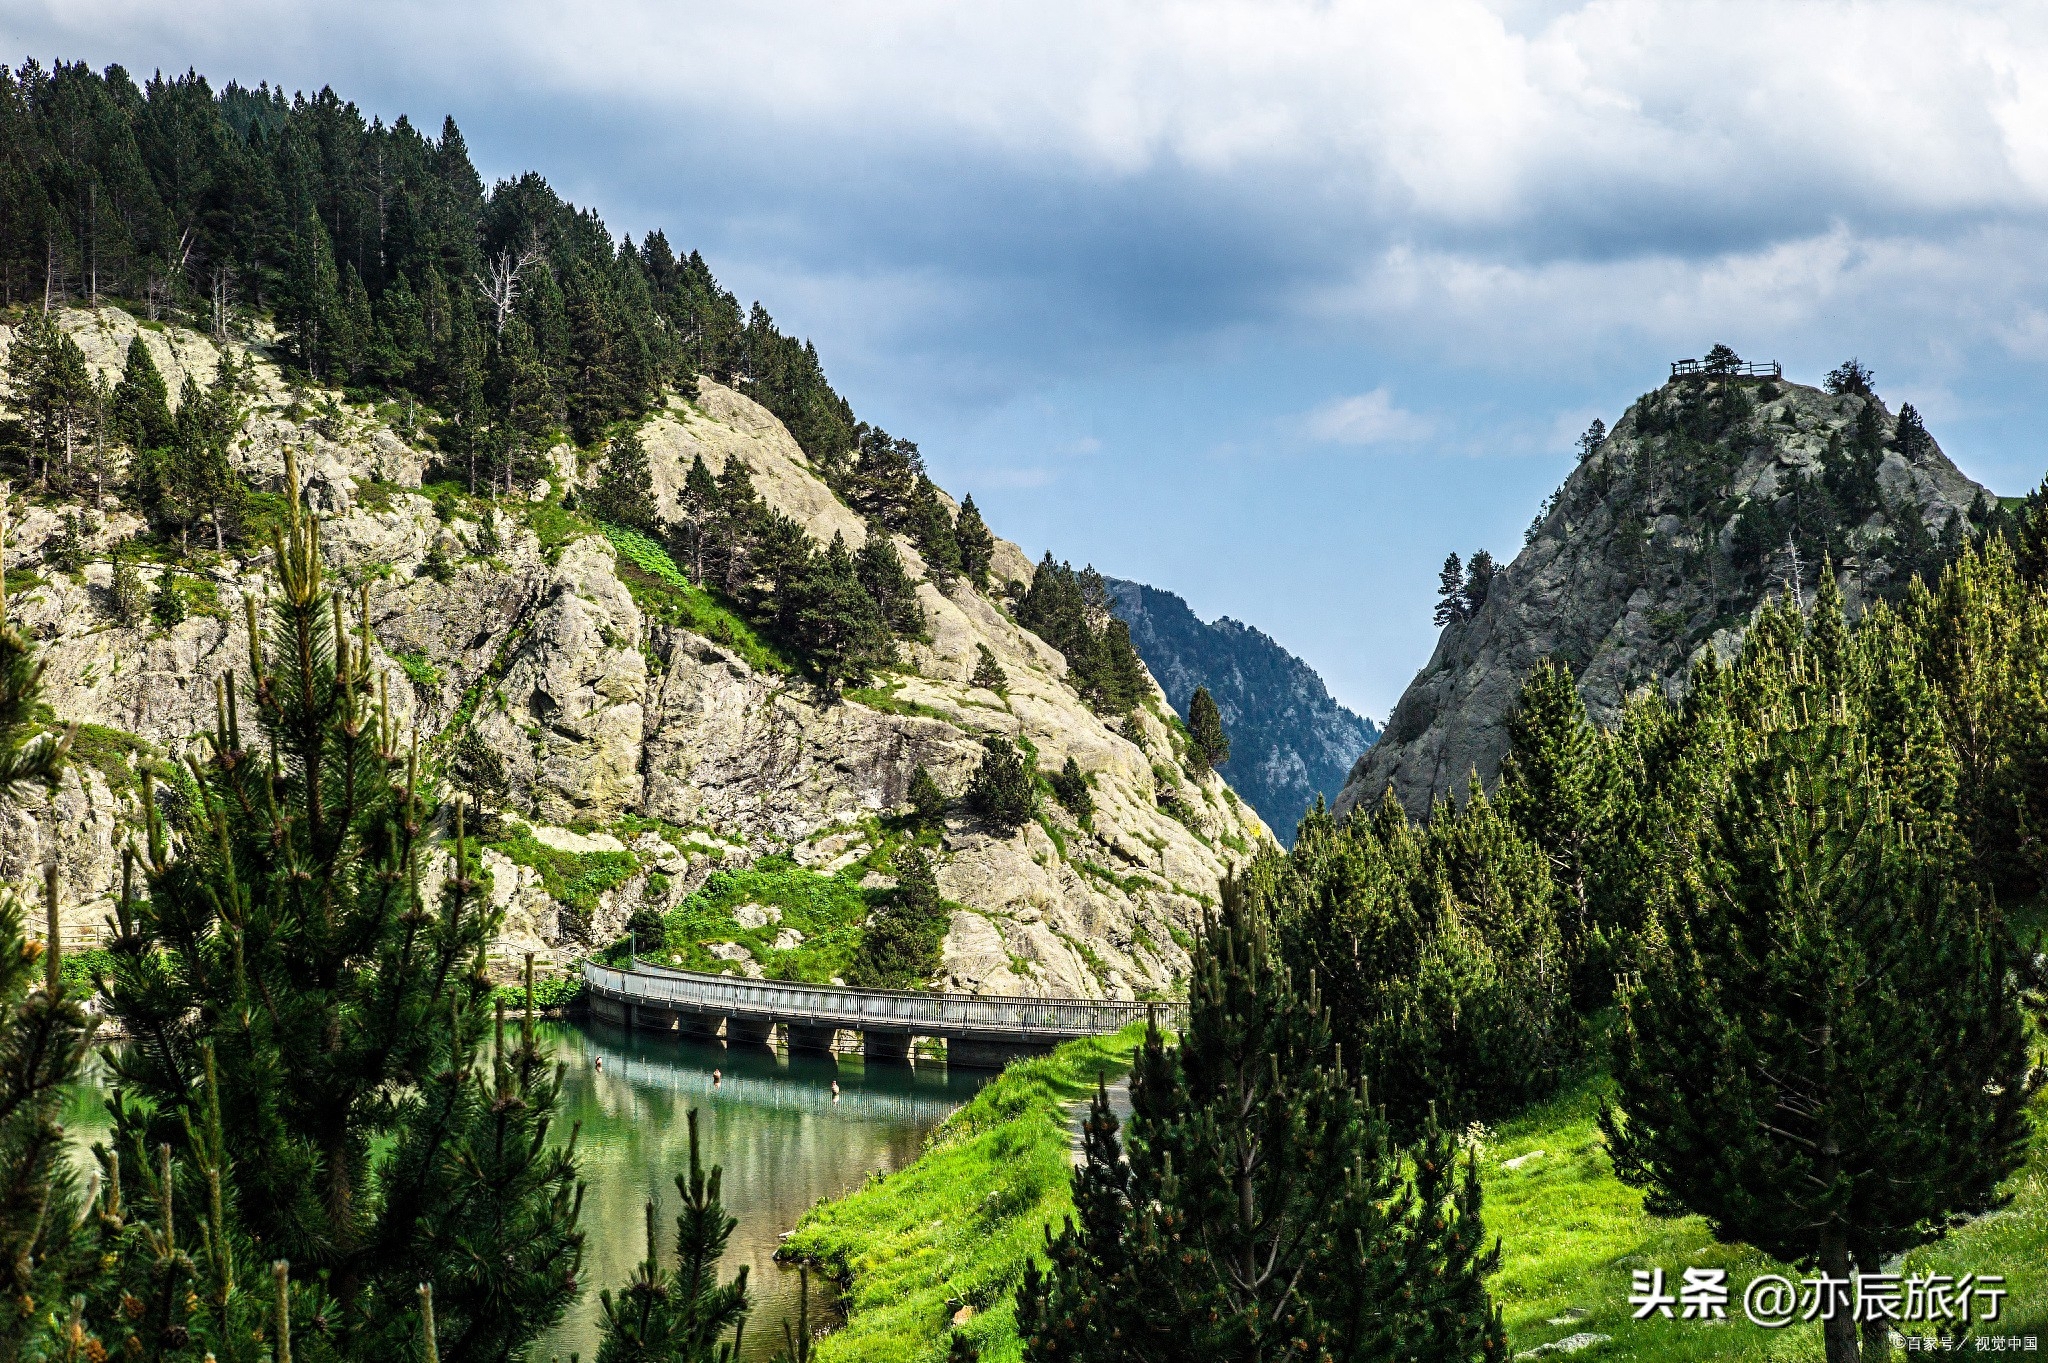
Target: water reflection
[(771, 1121)]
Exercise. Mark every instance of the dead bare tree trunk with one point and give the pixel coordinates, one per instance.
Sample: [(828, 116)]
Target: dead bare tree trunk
[(502, 287)]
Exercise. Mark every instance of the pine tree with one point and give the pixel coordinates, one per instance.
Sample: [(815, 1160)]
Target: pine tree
[(988, 673), (1558, 788), (142, 401), (1070, 788), (1593, 439), (1438, 951), (624, 493), (129, 600), (1001, 790), (166, 605), (1263, 1212), (899, 948), (834, 621), (1478, 583), (52, 389), (290, 937), (45, 1034), (699, 509), (1205, 729), (680, 1315), (880, 570), (1910, 434), (932, 529), (1450, 592), (927, 802), (977, 545), (1824, 1053)]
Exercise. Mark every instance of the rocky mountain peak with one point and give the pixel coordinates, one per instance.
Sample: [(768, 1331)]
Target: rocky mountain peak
[(1708, 495)]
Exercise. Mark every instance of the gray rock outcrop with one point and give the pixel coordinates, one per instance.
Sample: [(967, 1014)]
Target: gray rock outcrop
[(613, 730), (1640, 563)]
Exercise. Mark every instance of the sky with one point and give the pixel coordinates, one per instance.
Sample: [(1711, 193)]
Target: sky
[(1268, 304)]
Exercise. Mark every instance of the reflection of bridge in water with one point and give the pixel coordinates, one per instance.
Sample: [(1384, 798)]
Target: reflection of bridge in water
[(977, 1030)]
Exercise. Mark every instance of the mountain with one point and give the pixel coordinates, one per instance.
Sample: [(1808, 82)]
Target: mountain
[(1290, 741), (1710, 493), (632, 750), (635, 575)]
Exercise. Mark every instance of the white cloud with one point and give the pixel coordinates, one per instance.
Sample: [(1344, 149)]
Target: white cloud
[(1365, 419)]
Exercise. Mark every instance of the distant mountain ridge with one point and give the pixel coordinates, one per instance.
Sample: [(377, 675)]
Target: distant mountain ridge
[(1290, 740)]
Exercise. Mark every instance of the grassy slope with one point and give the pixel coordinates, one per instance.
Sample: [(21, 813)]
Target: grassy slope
[(960, 1222)]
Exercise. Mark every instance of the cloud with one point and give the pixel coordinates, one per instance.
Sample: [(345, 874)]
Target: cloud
[(1366, 419)]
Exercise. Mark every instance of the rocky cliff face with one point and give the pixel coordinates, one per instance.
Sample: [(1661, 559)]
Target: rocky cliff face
[(1290, 741), (1705, 498), (654, 752)]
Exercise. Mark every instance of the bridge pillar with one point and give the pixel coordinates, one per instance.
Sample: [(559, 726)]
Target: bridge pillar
[(611, 1010), (810, 1040), (988, 1055), (698, 1027), (893, 1047), (648, 1018), (748, 1031)]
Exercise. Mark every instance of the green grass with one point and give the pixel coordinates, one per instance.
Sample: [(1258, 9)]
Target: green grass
[(1573, 1233), (420, 669), (556, 991), (885, 699), (115, 754), (961, 1222), (663, 592), (572, 878), (827, 910)]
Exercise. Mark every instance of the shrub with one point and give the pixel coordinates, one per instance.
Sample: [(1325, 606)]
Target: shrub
[(1070, 788)]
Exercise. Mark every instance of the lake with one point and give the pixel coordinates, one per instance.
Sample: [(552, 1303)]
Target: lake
[(771, 1121)]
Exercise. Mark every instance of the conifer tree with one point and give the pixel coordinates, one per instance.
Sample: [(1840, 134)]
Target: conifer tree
[(977, 545), (1070, 788), (380, 1118), (932, 529), (899, 948), (166, 606), (680, 1315), (988, 673), (1263, 1211), (1478, 583), (1557, 787), (1439, 954), (142, 402), (1450, 592), (1205, 729), (1001, 790), (624, 494), (833, 619), (1824, 1053), (881, 573), (700, 502), (927, 802)]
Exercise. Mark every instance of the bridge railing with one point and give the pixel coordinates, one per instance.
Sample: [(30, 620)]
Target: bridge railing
[(919, 1014)]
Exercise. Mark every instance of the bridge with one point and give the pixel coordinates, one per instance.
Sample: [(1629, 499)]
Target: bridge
[(979, 1031)]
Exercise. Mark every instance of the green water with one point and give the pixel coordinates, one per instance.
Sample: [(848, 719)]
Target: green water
[(771, 1121)]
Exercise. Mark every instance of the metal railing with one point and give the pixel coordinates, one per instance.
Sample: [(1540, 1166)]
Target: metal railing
[(1736, 369), (967, 1016)]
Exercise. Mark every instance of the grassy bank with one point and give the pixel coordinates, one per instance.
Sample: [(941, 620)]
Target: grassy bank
[(960, 1223)]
